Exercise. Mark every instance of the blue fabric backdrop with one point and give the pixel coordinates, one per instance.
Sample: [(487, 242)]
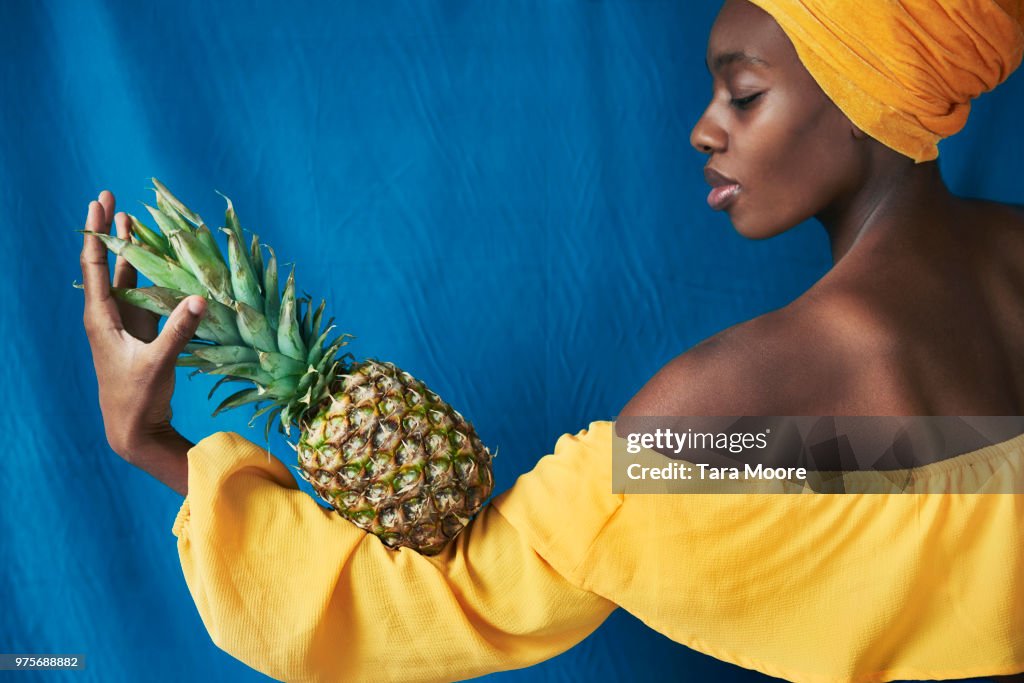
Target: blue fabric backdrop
[(499, 197)]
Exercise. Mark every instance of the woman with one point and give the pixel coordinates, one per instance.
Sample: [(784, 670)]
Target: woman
[(803, 587)]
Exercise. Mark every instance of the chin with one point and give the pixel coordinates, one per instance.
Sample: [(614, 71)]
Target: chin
[(754, 229), (759, 225)]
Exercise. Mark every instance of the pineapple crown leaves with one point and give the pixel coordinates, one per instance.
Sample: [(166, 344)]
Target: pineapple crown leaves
[(274, 341)]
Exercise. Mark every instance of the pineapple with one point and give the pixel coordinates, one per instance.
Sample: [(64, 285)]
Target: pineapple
[(374, 442)]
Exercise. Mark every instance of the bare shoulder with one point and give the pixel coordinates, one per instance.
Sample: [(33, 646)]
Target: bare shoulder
[(804, 359), (868, 342), (1003, 223)]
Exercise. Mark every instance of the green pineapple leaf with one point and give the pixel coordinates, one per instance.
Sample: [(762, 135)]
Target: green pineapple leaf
[(239, 398), (173, 204)]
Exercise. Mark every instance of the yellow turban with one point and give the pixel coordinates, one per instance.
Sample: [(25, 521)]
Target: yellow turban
[(905, 71)]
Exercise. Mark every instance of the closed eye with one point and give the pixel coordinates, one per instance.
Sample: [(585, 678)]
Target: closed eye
[(745, 102)]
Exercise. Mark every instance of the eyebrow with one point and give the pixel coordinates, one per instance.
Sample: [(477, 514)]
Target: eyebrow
[(737, 57)]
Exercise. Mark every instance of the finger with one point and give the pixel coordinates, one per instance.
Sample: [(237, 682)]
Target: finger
[(124, 273), (106, 198), (179, 329), (100, 309)]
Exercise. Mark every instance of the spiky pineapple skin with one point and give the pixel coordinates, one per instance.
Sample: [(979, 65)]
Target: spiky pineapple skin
[(374, 442), (389, 455)]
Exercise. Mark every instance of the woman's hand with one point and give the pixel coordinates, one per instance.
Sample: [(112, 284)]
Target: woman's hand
[(134, 365)]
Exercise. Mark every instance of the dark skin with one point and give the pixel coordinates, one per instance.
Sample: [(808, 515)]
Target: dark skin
[(921, 312), (134, 365), (920, 315)]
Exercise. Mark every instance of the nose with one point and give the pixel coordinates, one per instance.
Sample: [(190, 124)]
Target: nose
[(707, 136)]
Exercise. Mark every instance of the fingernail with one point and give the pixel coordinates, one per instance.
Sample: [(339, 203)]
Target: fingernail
[(196, 305)]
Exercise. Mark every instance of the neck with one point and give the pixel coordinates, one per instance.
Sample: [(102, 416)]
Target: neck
[(897, 198)]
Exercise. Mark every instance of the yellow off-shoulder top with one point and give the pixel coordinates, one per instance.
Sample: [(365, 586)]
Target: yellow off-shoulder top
[(809, 588)]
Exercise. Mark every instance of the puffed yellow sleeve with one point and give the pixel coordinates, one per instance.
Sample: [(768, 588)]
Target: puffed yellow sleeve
[(300, 594)]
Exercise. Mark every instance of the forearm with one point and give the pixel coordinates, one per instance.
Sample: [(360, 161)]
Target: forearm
[(164, 457), (360, 611)]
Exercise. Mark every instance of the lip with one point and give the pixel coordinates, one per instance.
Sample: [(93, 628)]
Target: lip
[(724, 189)]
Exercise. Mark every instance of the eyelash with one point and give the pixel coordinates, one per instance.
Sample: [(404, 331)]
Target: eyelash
[(745, 102)]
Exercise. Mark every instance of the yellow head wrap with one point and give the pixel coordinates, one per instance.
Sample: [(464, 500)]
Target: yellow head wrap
[(905, 71)]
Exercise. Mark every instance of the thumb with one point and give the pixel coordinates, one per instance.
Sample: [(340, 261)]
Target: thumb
[(179, 329)]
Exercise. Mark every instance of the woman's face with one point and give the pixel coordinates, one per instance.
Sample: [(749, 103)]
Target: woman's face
[(779, 151)]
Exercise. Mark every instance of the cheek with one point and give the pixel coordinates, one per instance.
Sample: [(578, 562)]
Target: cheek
[(796, 160)]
